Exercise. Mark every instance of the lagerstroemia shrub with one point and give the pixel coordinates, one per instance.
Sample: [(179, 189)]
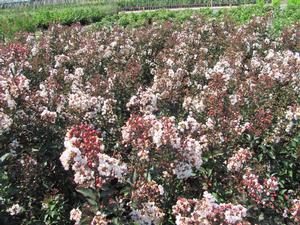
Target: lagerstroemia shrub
[(193, 123)]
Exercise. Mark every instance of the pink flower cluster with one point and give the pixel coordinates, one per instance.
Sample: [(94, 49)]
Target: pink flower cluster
[(146, 191), (236, 162), (149, 134), (148, 214), (75, 215), (207, 211), (99, 219), (145, 203), (263, 193), (294, 211), (84, 153), (147, 131), (5, 122)]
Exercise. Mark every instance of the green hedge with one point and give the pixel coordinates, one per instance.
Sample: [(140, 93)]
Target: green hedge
[(29, 19), (280, 17), (163, 3)]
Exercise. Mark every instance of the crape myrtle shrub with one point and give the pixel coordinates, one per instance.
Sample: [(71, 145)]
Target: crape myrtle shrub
[(193, 123)]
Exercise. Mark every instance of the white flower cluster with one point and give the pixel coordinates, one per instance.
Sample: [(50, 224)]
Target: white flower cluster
[(146, 132), (234, 213), (207, 211), (5, 123), (75, 215), (15, 209), (149, 214), (99, 219), (60, 59), (292, 115), (156, 132), (190, 124), (238, 160), (84, 175), (145, 100), (183, 170), (49, 116), (71, 153), (111, 167), (171, 81), (84, 165), (12, 86), (82, 101), (192, 150), (277, 66), (195, 104)]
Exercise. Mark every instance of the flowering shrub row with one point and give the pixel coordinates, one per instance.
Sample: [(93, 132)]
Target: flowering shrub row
[(193, 123)]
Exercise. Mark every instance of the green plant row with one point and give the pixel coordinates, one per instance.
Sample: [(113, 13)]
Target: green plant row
[(279, 17), (30, 20), (162, 3)]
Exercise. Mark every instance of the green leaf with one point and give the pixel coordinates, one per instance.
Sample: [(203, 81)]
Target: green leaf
[(271, 154), (91, 197), (261, 217), (209, 172), (93, 203), (5, 157), (134, 178), (88, 193), (149, 178), (116, 221), (260, 157)]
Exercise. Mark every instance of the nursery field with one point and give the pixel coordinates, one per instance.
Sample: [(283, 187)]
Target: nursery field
[(28, 19), (156, 4), (156, 118)]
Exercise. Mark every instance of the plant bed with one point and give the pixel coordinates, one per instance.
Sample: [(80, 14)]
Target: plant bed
[(30, 19), (190, 122)]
